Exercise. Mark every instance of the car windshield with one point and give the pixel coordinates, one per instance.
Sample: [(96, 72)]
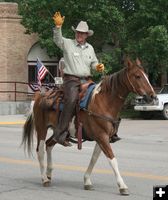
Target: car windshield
[(164, 90)]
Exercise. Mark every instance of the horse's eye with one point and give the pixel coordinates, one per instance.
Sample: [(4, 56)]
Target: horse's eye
[(137, 77)]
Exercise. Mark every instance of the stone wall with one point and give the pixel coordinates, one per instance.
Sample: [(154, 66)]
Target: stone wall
[(14, 48)]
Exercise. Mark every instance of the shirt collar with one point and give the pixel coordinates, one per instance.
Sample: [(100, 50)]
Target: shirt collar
[(77, 44)]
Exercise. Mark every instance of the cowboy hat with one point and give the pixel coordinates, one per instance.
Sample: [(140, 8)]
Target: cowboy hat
[(83, 27)]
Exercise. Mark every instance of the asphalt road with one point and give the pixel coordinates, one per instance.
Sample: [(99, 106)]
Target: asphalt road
[(142, 156)]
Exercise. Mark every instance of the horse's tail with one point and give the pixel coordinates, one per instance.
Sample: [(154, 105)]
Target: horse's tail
[(27, 136)]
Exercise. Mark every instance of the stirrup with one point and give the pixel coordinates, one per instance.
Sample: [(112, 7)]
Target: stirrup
[(62, 139), (54, 139)]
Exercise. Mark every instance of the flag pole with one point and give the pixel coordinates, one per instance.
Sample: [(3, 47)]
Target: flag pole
[(51, 75)]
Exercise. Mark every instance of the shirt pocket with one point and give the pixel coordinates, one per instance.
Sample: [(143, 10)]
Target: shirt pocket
[(88, 59)]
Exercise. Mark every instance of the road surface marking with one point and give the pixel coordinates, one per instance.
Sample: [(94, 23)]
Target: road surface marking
[(12, 123), (83, 169)]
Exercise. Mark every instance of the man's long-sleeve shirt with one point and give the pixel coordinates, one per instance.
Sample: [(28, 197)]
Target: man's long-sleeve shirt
[(78, 59)]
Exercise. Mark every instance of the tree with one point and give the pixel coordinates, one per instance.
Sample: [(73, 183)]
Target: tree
[(154, 49), (147, 34), (14, 1), (134, 27)]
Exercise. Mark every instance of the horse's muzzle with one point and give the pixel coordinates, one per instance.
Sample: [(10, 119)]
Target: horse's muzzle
[(152, 99)]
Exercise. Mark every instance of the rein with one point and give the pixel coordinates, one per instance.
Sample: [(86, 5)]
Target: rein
[(105, 118)]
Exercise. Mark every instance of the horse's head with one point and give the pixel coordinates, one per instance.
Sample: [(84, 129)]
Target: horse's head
[(137, 80)]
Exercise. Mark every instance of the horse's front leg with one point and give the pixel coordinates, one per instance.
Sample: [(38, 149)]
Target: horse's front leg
[(40, 156), (106, 147), (87, 182), (122, 186)]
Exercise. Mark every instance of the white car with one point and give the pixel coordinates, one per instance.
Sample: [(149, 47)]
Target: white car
[(160, 105)]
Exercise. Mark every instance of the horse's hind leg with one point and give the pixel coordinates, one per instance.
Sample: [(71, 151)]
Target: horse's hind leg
[(49, 146), (87, 182), (40, 155), (49, 162)]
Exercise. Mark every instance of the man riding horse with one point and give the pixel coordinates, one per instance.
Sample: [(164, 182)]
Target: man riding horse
[(79, 59)]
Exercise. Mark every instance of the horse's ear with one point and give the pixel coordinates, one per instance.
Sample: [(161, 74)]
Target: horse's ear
[(128, 63), (138, 62)]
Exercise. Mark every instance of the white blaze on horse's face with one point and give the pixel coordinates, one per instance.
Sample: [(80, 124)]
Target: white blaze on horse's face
[(138, 63), (148, 81), (142, 84)]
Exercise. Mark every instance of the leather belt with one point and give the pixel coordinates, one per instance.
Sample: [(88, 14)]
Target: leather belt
[(77, 77)]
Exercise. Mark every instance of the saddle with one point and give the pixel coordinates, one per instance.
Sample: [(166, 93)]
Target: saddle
[(53, 97)]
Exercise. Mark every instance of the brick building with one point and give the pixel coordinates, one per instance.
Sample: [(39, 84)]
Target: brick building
[(18, 54)]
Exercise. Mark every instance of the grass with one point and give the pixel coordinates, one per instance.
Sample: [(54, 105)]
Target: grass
[(130, 113)]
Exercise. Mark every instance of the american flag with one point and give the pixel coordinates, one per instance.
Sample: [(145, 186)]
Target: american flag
[(34, 87), (41, 70)]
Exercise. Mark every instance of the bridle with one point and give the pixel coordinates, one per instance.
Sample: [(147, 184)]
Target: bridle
[(130, 83)]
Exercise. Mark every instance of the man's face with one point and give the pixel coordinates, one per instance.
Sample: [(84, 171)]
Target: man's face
[(81, 37)]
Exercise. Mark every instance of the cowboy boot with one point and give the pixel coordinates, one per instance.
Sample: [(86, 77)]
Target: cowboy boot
[(63, 139), (115, 138)]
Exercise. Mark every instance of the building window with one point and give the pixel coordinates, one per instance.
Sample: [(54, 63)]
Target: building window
[(32, 72)]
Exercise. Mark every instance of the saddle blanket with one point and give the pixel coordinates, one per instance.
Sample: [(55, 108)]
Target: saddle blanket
[(85, 100)]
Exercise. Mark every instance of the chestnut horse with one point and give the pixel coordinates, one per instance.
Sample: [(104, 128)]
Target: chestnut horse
[(98, 120)]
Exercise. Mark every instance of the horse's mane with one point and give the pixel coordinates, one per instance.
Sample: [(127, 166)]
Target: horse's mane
[(111, 82)]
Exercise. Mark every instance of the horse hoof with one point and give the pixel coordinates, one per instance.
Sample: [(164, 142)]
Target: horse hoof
[(88, 187), (124, 191), (46, 184)]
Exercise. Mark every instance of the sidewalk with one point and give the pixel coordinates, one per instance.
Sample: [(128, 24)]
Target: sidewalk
[(12, 119)]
